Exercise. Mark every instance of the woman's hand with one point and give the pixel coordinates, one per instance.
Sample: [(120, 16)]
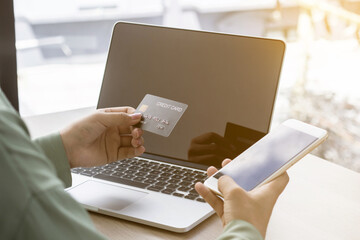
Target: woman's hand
[(103, 137), (255, 206)]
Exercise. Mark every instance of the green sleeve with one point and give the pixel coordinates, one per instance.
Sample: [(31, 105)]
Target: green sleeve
[(53, 148), (240, 230), (33, 203)]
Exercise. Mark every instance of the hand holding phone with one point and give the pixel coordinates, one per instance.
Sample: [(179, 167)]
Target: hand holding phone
[(237, 204), (270, 156)]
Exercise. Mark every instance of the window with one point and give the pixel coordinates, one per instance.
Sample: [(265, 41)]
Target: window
[(62, 48)]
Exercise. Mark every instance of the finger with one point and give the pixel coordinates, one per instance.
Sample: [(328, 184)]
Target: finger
[(137, 142), (225, 162), (137, 133), (122, 119), (226, 185), (119, 109), (216, 203), (130, 152), (139, 150), (275, 187), (126, 141), (211, 171)]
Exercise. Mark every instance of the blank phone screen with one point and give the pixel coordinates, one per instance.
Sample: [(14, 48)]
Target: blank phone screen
[(268, 155)]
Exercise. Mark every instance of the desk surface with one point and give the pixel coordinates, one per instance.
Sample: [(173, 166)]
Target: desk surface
[(321, 201)]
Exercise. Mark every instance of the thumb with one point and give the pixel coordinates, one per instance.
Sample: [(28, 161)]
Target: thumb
[(273, 189), (110, 119), (227, 185)]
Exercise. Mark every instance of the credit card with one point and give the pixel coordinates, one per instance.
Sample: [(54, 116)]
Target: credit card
[(159, 115)]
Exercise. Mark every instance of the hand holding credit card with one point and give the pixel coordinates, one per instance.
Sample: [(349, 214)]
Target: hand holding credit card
[(159, 115)]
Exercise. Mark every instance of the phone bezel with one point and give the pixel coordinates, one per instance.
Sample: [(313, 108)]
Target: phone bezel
[(321, 134)]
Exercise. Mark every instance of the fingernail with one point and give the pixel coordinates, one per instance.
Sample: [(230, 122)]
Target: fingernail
[(135, 116)]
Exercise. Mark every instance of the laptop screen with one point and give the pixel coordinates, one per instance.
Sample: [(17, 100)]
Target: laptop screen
[(229, 83)]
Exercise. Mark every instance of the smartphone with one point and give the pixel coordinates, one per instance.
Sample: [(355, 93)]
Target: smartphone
[(271, 156)]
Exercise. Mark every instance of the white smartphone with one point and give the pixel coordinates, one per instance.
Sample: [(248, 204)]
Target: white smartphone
[(270, 156)]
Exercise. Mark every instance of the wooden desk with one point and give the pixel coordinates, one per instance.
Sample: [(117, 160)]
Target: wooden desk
[(115, 228), (321, 201)]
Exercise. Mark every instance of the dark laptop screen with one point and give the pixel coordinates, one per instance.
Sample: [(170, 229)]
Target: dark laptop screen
[(229, 83)]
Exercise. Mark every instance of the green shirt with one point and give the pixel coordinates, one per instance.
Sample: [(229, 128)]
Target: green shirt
[(33, 174)]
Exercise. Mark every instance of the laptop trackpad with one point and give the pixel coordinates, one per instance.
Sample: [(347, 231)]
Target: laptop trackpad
[(105, 196)]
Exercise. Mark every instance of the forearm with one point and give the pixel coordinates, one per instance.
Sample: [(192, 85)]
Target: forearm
[(240, 230), (53, 148)]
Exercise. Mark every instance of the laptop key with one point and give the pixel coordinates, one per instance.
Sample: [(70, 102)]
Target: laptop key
[(188, 174), (155, 172), (162, 179), (168, 170), (151, 176), (172, 186), (128, 176), (177, 177), (193, 191), (107, 172), (113, 163), (165, 174), (108, 167), (88, 173), (185, 183), (140, 174), (130, 172), (96, 169), (139, 179), (161, 184), (123, 165), (200, 200), (156, 168), (119, 170), (118, 174), (174, 181), (154, 163), (175, 167), (134, 167), (200, 177), (192, 197), (188, 179), (121, 181), (132, 162), (183, 189), (150, 181), (77, 170), (154, 188), (145, 165), (178, 194), (167, 191), (178, 172)]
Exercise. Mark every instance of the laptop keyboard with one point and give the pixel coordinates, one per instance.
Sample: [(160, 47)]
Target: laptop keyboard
[(151, 175)]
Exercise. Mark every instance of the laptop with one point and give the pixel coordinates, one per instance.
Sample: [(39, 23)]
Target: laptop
[(229, 83)]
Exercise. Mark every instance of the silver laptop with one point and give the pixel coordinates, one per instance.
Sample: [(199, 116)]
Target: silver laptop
[(229, 83)]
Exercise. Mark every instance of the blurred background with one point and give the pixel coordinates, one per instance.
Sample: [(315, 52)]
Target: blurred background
[(62, 47)]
